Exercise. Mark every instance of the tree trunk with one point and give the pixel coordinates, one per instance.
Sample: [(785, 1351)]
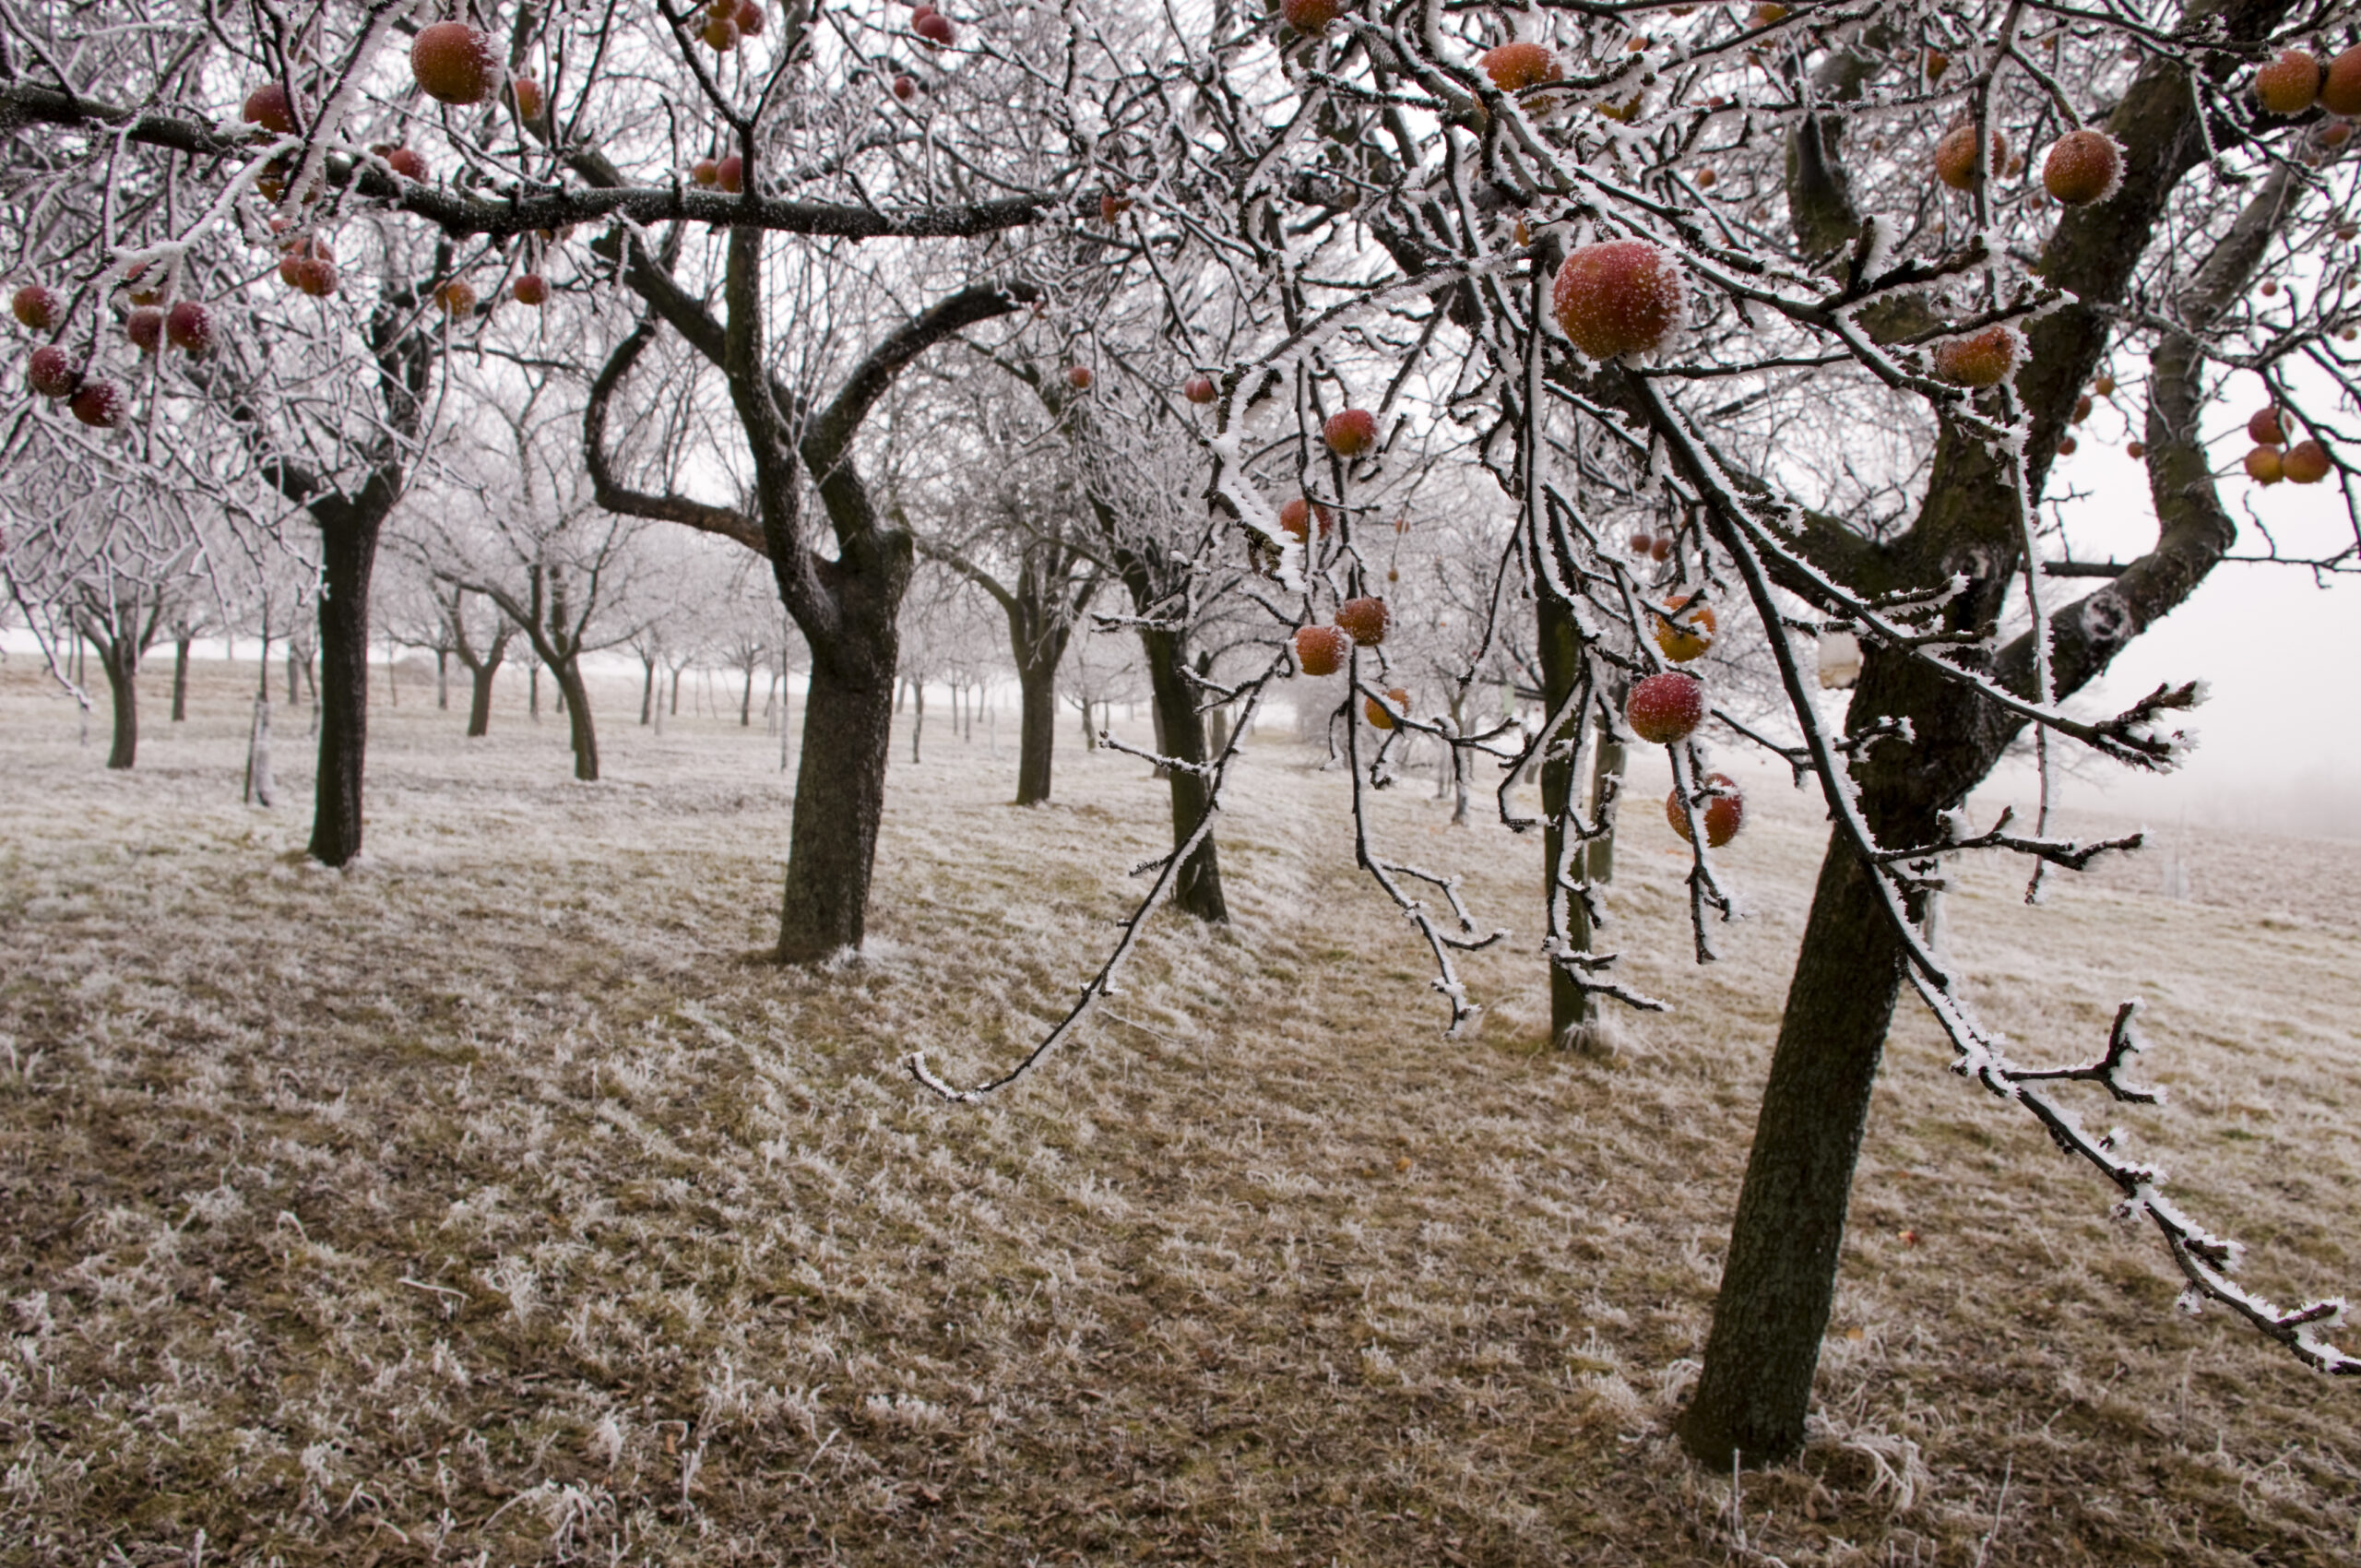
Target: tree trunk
[(1037, 733), (348, 557), (917, 715), (261, 789), (443, 680), (746, 703), (577, 717), (1756, 1386), (676, 691), (121, 664), (1198, 889), (179, 679), (533, 692), (479, 696), (839, 798), (1562, 652), (648, 691)]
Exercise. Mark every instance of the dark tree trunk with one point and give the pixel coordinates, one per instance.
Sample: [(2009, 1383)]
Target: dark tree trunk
[(1561, 653), (1037, 737), (1198, 889), (121, 664), (179, 679), (746, 702), (533, 691), (1759, 1364), (648, 691), (348, 557), (479, 698), (676, 692), (840, 799), (443, 680), (578, 715)]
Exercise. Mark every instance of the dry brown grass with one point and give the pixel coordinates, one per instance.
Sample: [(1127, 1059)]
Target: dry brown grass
[(491, 1202)]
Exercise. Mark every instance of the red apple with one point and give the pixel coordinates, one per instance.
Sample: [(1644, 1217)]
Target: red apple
[(1955, 157), (1364, 619), (721, 31), (1619, 297), (1295, 519), (145, 329), (457, 298), (2066, 445), (1078, 377), (454, 63), (1666, 708), (1981, 359), (188, 326), (2289, 84), (2135, 449), (267, 106), (704, 171), (1111, 207), (2305, 463), (935, 29), (402, 160), (2263, 427), (1515, 66), (1660, 548), (1321, 650), (2082, 167), (1380, 714), (905, 88), (51, 372), (2264, 465), (35, 307), (1311, 17), (750, 18), (1723, 815), (1643, 541), (1199, 389), (530, 288), (2341, 88), (100, 403), (529, 99), (730, 173), (1351, 433)]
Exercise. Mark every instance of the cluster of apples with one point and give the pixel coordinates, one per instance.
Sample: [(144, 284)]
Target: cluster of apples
[(1652, 544), (933, 27), (2307, 462), (95, 401), (727, 174), (2296, 80), (728, 21), (1322, 650)]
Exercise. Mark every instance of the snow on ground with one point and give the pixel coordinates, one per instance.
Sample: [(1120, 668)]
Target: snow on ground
[(494, 1201)]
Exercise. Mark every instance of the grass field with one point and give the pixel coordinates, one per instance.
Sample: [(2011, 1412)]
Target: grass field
[(493, 1202)]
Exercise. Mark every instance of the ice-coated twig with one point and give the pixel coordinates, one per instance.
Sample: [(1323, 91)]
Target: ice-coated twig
[(2050, 852), (1102, 984)]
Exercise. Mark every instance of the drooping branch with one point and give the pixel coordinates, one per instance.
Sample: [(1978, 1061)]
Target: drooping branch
[(524, 210)]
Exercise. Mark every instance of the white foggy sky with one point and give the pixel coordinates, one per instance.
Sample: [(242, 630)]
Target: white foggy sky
[(2283, 730)]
